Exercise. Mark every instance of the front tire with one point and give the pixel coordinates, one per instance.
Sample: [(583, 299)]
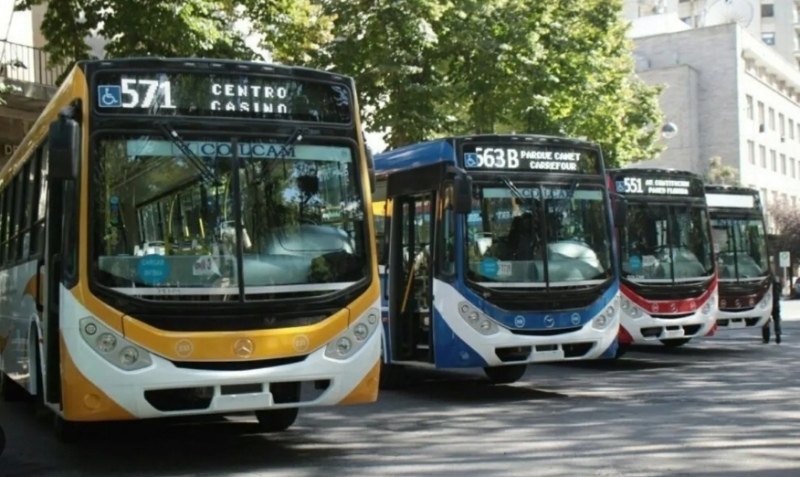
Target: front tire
[(67, 432), (505, 374), (11, 391), (277, 420), (674, 343)]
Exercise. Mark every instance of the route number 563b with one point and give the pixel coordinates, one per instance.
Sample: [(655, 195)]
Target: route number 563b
[(631, 185)]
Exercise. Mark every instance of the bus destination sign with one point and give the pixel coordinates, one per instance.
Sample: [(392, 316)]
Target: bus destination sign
[(662, 186), (214, 95), (530, 158)]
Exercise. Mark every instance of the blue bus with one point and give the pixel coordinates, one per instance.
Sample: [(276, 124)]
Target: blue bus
[(495, 251)]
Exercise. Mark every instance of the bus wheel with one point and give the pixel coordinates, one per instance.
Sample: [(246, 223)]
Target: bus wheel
[(11, 391), (67, 432), (505, 374), (38, 401), (276, 420), (674, 343), (392, 376)]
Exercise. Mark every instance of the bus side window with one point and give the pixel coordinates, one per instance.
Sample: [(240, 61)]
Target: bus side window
[(447, 263)]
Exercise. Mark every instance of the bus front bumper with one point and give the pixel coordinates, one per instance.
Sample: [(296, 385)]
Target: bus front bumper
[(96, 390)]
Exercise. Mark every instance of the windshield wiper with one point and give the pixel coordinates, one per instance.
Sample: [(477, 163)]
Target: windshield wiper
[(296, 137), (512, 187), (195, 161), (572, 188)]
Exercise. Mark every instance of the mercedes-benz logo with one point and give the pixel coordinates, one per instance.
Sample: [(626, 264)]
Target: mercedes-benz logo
[(576, 319), (519, 321), (549, 321), (244, 347)]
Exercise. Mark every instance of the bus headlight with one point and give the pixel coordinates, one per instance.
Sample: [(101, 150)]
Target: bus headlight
[(353, 338), (606, 318), (766, 300), (477, 320), (112, 346), (706, 308)]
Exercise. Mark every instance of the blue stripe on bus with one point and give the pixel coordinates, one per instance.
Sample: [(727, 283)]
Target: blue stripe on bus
[(451, 351), (611, 351), (521, 320)]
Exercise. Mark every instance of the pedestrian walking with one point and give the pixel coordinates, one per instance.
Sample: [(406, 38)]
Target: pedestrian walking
[(776, 312)]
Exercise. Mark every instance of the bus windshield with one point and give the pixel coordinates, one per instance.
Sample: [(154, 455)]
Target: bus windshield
[(510, 230), (666, 243), (166, 222), (742, 247)]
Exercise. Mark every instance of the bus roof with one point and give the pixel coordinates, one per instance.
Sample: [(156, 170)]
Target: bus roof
[(416, 155), (223, 65), (442, 150), (654, 171), (730, 189)]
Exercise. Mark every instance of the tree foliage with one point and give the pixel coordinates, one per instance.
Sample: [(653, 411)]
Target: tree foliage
[(423, 68), (720, 174), (787, 223), (479, 66), (4, 90)]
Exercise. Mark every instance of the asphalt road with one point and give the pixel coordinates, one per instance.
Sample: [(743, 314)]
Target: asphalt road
[(724, 406)]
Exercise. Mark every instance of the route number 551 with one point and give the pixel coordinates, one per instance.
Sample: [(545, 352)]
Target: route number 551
[(632, 185)]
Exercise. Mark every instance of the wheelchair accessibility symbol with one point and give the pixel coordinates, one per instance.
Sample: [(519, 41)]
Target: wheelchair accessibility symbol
[(471, 159), (110, 96)]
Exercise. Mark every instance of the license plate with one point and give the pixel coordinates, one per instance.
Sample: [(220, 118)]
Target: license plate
[(673, 333), (556, 354), (736, 324)]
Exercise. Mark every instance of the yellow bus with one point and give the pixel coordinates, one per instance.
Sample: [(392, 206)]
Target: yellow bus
[(187, 236)]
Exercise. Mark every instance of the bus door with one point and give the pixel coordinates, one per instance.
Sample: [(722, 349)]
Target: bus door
[(410, 281)]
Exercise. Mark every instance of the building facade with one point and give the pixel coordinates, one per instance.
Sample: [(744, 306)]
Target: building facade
[(24, 67), (775, 22), (731, 96)]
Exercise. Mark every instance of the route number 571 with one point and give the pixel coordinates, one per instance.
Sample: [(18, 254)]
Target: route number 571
[(142, 93)]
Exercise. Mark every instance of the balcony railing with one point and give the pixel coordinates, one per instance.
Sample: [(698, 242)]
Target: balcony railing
[(27, 64)]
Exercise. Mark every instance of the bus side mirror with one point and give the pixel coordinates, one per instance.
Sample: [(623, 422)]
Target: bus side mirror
[(462, 194), (620, 211), (64, 149)]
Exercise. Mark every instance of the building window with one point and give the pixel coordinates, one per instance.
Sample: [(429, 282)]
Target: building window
[(772, 119), (784, 199), (774, 197), (773, 160), (751, 152), (791, 129), (762, 154), (761, 114), (792, 168), (783, 164), (782, 125), (767, 10), (749, 100), (768, 37), (794, 201)]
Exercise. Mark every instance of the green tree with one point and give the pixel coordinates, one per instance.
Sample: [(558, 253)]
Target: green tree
[(721, 174), (189, 28), (426, 68), (391, 48), (4, 90)]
